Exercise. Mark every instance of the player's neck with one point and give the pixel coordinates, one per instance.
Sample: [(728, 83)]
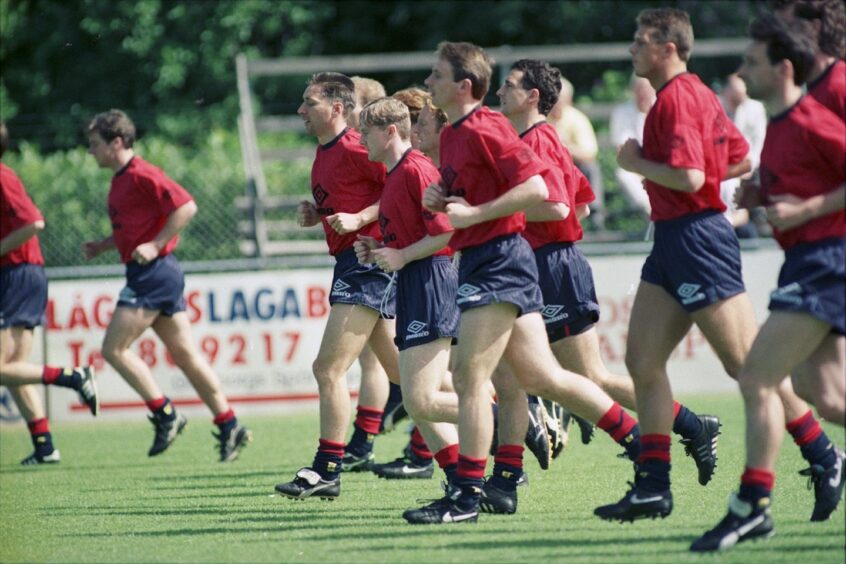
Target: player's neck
[(821, 63), (460, 108), (122, 158), (335, 129), (666, 73), (395, 152), (435, 156), (783, 98), (525, 120)]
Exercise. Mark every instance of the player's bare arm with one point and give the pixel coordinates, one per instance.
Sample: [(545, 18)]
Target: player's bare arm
[(738, 169), (630, 157), (787, 211), (548, 211), (529, 193), (176, 222), (20, 236), (582, 211), (344, 223), (92, 249), (307, 215), (391, 260)]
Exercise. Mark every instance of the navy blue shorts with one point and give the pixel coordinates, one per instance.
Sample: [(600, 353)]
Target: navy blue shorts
[(426, 308), (23, 295), (365, 284), (813, 280), (566, 283), (157, 286), (502, 270), (696, 259)]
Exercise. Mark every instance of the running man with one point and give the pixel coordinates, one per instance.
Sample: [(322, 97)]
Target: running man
[(693, 274), (414, 247), (346, 187), (566, 281), (23, 298), (489, 175), (808, 309), (147, 211)]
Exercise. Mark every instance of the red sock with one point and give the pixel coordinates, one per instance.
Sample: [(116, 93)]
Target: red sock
[(447, 456), (473, 468), (655, 447), (511, 455), (676, 408), (156, 404), (224, 417), (804, 429), (331, 448), (38, 426), (419, 446), (758, 477), (368, 419), (616, 422), (50, 373)]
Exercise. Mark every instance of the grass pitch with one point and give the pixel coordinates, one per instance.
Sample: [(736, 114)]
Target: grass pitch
[(108, 502)]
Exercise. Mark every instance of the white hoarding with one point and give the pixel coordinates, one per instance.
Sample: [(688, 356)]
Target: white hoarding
[(261, 331)]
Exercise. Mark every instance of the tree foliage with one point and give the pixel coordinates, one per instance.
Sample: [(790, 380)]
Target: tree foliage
[(170, 63)]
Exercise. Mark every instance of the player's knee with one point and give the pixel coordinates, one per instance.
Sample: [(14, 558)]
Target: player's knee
[(831, 407), (112, 353), (182, 355), (639, 366), (752, 387), (418, 406)]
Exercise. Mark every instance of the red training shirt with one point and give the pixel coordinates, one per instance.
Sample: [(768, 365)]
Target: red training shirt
[(16, 211), (402, 218), (829, 89), (344, 180), (803, 155), (482, 158), (688, 128), (562, 182), (140, 200)]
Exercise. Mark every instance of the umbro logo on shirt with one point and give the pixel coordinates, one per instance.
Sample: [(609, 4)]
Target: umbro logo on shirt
[(689, 293), (319, 194)]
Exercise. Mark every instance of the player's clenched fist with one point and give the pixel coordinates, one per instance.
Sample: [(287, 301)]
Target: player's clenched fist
[(434, 198), (307, 214)]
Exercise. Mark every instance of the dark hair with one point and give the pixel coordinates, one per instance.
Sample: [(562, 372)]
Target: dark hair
[(544, 78), (469, 62), (832, 15), (335, 87), (786, 41), (4, 138), (670, 26), (113, 124)]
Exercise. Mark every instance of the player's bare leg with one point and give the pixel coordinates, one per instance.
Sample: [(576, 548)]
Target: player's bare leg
[(822, 379), (126, 325)]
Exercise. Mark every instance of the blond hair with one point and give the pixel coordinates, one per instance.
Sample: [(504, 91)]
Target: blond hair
[(367, 89), (387, 111)]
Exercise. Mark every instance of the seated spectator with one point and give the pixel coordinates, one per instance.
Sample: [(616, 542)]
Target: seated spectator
[(576, 133), (626, 122), (750, 117)]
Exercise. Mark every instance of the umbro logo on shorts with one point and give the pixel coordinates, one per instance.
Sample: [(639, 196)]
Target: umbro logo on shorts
[(468, 293), (339, 288), (415, 330), (689, 293), (789, 294), (552, 313), (340, 285), (127, 295)]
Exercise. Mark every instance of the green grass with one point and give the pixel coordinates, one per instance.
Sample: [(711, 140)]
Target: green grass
[(107, 501)]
